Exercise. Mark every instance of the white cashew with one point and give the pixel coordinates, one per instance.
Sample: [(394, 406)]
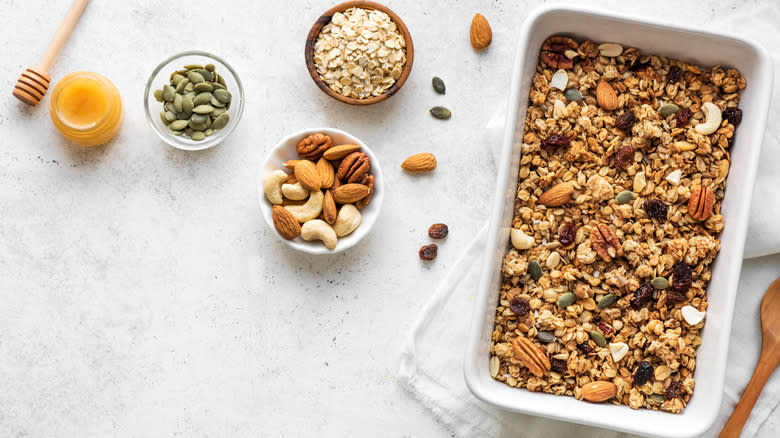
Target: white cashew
[(520, 240), (347, 220), (294, 192), (319, 230), (272, 186), (713, 117), (309, 210)]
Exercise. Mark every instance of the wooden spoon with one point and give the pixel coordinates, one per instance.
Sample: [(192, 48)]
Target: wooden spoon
[(767, 362), (34, 81)]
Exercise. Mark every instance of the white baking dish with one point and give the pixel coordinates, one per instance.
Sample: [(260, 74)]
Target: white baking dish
[(652, 38)]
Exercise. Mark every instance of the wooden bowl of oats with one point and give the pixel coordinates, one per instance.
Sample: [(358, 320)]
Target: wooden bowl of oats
[(359, 52)]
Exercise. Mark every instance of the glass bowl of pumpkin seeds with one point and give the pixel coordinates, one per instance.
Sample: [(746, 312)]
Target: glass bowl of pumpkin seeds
[(193, 100)]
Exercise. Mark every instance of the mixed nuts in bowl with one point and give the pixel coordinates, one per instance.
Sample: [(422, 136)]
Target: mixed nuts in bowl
[(320, 190)]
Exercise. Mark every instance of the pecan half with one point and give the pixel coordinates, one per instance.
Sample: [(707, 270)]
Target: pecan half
[(363, 202), (554, 51), (531, 356), (605, 242), (700, 203), (313, 146), (353, 168)]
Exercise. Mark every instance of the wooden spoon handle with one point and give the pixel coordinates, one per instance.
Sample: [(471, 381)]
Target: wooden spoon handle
[(766, 365), (62, 34)]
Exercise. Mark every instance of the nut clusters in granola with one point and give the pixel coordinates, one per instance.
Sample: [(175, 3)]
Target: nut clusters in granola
[(617, 222)]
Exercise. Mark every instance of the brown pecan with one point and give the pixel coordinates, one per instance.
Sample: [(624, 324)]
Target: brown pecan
[(605, 242), (554, 51), (700, 203), (363, 202), (353, 168), (313, 146), (531, 356)]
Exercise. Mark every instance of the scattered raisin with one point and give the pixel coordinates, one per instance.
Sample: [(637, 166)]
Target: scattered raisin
[(605, 328), (624, 156), (555, 141), (675, 297), (643, 295), (567, 234), (625, 121), (675, 74), (684, 116), (733, 115), (558, 365), (429, 252), (438, 231), (674, 390), (655, 208), (682, 278), (519, 306), (643, 373), (585, 347)]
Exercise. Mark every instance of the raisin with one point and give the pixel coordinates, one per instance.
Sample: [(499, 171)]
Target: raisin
[(643, 373), (682, 278), (558, 365), (567, 234), (555, 141), (429, 252), (585, 347), (675, 74), (684, 116), (624, 156), (605, 328), (438, 231), (675, 297), (655, 208), (733, 115), (519, 306), (642, 296), (674, 390), (625, 121)]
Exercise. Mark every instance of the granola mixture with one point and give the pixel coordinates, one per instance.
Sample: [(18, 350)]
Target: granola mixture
[(625, 234)]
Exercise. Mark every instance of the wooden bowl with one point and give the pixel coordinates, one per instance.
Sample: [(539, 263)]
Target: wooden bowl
[(325, 19)]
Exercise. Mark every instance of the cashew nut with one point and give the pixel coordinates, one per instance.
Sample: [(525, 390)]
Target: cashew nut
[(294, 192), (713, 117), (520, 240), (319, 230), (309, 210), (347, 220), (272, 186)]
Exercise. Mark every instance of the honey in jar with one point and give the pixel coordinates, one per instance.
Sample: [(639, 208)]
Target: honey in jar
[(86, 108)]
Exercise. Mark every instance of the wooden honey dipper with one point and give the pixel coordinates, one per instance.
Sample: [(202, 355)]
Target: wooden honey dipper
[(34, 81)]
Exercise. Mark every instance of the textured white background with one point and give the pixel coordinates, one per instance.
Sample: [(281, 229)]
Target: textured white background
[(143, 295)]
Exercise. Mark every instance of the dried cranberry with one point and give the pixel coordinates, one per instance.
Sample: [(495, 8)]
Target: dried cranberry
[(555, 141), (585, 347), (733, 115), (624, 156), (642, 296), (428, 252), (675, 74), (558, 365), (639, 66), (682, 278), (519, 306), (438, 231), (674, 390), (683, 116), (675, 297), (567, 234), (643, 373), (605, 328), (655, 208), (625, 121)]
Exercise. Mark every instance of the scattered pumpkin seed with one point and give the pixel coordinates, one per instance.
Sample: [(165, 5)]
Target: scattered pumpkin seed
[(535, 270), (658, 398), (572, 94), (440, 112), (438, 85), (566, 300), (660, 283), (624, 197), (546, 337), (668, 109), (598, 338), (607, 300)]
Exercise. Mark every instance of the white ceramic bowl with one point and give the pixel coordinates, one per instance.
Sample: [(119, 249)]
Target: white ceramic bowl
[(286, 150), (653, 38)]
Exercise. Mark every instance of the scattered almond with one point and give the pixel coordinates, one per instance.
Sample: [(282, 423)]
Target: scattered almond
[(307, 175), (285, 223), (599, 391), (606, 96), (558, 195), (420, 163), (480, 33)]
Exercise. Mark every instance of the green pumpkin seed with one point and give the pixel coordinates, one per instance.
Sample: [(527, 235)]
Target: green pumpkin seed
[(162, 117), (198, 136), (158, 95), (218, 86), (177, 78), (199, 118), (535, 270), (572, 94), (195, 77), (170, 116), (210, 67), (207, 75), (218, 112), (658, 398), (198, 126), (660, 283), (182, 85), (545, 337), (178, 125), (168, 92), (440, 113), (221, 121), (221, 80), (223, 95), (203, 86), (624, 197), (215, 103), (438, 85), (192, 66), (202, 98), (190, 87), (177, 133), (566, 300), (187, 104), (208, 132), (607, 300), (668, 109), (598, 338), (177, 103)]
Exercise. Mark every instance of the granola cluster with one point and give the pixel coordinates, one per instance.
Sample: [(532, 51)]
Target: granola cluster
[(607, 305)]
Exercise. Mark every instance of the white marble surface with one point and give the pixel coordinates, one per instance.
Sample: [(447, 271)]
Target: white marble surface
[(143, 294)]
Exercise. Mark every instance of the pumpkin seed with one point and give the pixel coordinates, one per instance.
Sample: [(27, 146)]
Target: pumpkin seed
[(158, 95), (190, 87), (218, 86), (192, 66), (545, 337), (198, 126), (187, 104), (202, 98), (607, 300), (162, 117), (168, 92), (221, 80), (210, 67), (660, 283), (182, 85), (222, 95), (177, 78), (177, 103), (598, 338), (177, 133), (178, 125), (535, 270), (203, 86), (668, 109), (216, 103), (438, 85), (170, 116), (566, 300), (218, 112), (198, 136), (572, 94), (440, 113), (221, 121), (624, 197), (195, 77), (203, 109), (208, 132), (658, 398), (199, 118)]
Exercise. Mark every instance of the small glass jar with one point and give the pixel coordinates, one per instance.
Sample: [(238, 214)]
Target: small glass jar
[(86, 108)]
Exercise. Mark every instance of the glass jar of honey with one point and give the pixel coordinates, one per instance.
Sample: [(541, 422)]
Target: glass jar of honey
[(86, 108)]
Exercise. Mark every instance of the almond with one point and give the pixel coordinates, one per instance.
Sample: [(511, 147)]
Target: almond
[(327, 174), (350, 193), (340, 151), (307, 175), (606, 96), (285, 223), (290, 164), (558, 195), (420, 163), (599, 391), (329, 210), (480, 33)]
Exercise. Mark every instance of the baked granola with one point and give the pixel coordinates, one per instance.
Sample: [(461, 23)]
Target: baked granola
[(631, 260)]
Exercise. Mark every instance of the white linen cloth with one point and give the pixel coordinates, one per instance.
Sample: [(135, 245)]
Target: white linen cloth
[(431, 365)]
